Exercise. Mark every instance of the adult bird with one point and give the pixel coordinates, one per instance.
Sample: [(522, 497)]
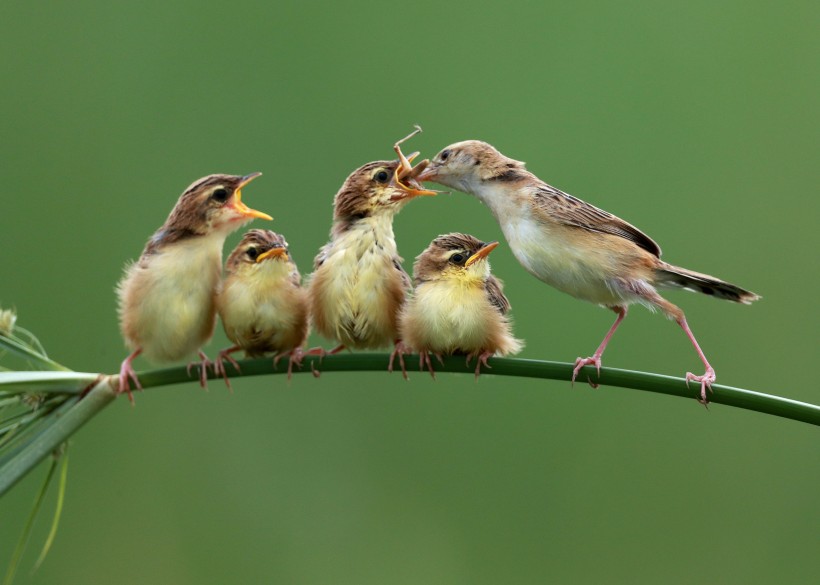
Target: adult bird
[(574, 246)]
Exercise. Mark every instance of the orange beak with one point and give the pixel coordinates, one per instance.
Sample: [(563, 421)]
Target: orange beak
[(405, 181), (482, 253), (240, 207), (272, 253)]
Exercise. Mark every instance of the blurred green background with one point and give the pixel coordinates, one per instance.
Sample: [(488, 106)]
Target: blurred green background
[(695, 121)]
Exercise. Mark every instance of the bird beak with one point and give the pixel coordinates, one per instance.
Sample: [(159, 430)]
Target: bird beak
[(406, 183), (272, 253), (240, 207), (482, 253), (404, 178), (428, 173)]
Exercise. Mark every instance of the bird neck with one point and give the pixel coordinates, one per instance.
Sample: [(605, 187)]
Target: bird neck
[(272, 272), (169, 235), (373, 230), (504, 200)]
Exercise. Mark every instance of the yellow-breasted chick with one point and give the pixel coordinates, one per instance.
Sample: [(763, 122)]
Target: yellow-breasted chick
[(574, 246), (358, 285), (167, 298), (262, 304), (457, 305)]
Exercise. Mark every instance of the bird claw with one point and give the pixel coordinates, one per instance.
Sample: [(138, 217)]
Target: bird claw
[(594, 360), (705, 381), (295, 357), (482, 360), (127, 372), (219, 366), (424, 359), (398, 351), (202, 366)]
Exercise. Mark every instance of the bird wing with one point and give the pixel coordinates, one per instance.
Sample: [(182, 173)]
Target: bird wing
[(495, 294), (572, 211), (406, 282), (322, 255)]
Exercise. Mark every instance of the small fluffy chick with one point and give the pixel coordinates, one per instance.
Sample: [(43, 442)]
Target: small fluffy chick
[(262, 304), (358, 285), (457, 305)]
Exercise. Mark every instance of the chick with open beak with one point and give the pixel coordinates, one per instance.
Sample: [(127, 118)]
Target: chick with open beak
[(358, 285), (262, 304), (458, 306)]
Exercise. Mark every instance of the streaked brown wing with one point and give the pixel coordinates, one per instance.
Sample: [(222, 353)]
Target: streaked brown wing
[(406, 282), (320, 257), (572, 211), (495, 294)]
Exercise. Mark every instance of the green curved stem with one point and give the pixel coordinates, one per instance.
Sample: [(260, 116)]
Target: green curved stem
[(79, 410), (377, 362)]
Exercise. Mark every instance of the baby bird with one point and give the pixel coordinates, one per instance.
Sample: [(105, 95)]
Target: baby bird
[(262, 304), (572, 245), (457, 305), (167, 299), (358, 285)]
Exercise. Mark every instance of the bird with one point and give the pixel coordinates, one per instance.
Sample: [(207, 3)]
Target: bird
[(262, 304), (574, 246), (457, 305), (167, 298), (358, 284)]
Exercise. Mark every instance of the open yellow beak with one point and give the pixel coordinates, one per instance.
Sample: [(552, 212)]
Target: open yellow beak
[(272, 253), (406, 183), (482, 253), (240, 207)]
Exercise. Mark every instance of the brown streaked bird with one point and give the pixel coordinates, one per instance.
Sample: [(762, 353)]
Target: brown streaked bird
[(358, 285), (577, 248), (262, 304), (457, 305), (167, 298)]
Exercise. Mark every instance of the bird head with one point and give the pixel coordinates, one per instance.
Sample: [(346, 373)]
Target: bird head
[(214, 204), (469, 164), (454, 256), (258, 248), (377, 188)]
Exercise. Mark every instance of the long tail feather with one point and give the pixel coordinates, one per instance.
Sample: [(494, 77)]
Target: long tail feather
[(668, 276)]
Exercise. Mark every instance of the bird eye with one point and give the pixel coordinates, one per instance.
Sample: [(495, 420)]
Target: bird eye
[(382, 176), (457, 258), (252, 253), (220, 195), (445, 154)]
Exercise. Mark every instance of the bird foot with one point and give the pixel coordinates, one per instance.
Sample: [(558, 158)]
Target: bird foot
[(219, 365), (202, 365), (482, 360), (705, 380), (398, 351), (127, 372), (295, 357), (590, 361), (424, 360), (321, 352)]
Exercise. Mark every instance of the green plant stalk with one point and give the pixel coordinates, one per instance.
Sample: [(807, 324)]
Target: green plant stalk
[(44, 443), (58, 512), (102, 394), (377, 362), (21, 544)]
